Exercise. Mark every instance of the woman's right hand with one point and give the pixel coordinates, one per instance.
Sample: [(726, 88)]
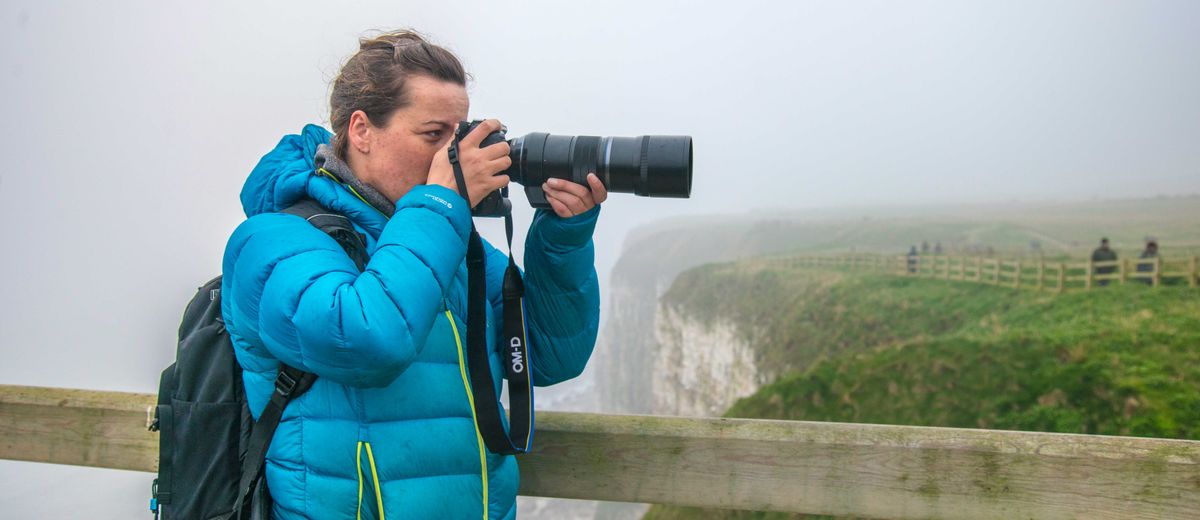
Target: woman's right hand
[(479, 165)]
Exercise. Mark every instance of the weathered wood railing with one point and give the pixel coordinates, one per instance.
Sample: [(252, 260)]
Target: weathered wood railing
[(809, 467), (1021, 274)]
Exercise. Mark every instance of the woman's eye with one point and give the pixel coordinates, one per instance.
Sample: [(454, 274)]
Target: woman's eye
[(436, 134)]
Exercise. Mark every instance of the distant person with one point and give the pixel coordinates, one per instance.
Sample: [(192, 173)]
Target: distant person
[(1150, 253), (924, 247), (912, 260), (937, 248), (1104, 254)]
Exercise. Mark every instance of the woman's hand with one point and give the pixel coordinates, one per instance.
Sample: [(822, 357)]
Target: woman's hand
[(479, 165), (569, 199)]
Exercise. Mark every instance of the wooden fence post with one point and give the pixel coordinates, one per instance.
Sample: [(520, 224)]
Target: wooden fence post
[(1087, 283), (1156, 277), (1192, 269), (1062, 277), (1041, 283), (1124, 269), (996, 272), (1017, 276), (979, 269)]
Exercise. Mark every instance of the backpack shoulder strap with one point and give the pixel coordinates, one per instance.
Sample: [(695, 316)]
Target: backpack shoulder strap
[(290, 382), (335, 225)]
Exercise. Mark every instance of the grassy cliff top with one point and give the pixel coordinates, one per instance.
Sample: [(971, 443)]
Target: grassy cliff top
[(888, 349), (1119, 360)]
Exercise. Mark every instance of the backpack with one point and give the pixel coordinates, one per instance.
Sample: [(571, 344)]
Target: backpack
[(211, 452)]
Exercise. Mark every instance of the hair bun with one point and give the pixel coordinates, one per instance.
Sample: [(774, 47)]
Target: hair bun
[(391, 39)]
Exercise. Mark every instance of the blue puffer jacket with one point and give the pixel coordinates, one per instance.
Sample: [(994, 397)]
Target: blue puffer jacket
[(387, 430)]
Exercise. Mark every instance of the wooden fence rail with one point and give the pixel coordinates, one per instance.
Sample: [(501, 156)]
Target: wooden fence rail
[(1038, 275), (860, 470)]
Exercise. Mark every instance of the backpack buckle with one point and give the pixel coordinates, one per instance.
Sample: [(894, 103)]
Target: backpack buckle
[(285, 384)]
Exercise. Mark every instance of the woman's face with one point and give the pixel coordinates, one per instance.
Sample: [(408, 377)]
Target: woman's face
[(396, 156)]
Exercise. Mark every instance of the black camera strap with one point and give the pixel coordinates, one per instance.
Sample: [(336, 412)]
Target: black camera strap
[(520, 389)]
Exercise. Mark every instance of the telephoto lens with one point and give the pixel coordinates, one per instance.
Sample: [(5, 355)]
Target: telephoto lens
[(648, 165)]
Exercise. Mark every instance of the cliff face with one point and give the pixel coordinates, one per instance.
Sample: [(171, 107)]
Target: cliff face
[(626, 350), (701, 367), (629, 360)]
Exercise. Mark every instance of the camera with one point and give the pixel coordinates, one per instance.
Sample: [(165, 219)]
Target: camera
[(646, 165)]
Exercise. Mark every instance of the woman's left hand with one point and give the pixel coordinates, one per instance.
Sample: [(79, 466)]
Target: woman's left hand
[(569, 199)]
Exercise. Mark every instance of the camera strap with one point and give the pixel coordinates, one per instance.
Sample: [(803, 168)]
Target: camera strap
[(488, 414)]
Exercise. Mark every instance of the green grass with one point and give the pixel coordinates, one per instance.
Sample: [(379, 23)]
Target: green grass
[(1122, 360)]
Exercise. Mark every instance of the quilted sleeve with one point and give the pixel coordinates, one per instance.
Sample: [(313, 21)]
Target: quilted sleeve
[(562, 295), (291, 292)]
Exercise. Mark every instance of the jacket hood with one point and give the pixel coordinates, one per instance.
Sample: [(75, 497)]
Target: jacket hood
[(281, 177)]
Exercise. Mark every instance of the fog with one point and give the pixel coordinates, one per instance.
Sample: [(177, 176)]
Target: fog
[(129, 128)]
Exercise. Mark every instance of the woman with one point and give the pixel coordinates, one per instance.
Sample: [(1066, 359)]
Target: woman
[(387, 429)]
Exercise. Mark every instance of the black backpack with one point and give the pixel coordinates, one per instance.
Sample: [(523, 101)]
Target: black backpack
[(211, 452)]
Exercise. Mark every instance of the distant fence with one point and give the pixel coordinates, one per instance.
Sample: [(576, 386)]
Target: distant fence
[(1039, 275), (861, 470)]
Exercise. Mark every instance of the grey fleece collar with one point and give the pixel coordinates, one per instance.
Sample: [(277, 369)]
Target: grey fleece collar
[(330, 162)]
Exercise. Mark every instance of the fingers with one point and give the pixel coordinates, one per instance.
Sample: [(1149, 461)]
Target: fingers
[(565, 205), (496, 151), (599, 192), (498, 165), (559, 208), (480, 166), (567, 198), (477, 134), (571, 188), (496, 182), (492, 158)]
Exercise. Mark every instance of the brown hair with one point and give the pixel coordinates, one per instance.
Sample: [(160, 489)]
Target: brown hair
[(373, 79)]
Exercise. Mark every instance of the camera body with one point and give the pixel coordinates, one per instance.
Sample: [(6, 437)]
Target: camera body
[(648, 165), (496, 203)]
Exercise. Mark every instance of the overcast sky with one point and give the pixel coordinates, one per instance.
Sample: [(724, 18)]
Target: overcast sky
[(129, 127)]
